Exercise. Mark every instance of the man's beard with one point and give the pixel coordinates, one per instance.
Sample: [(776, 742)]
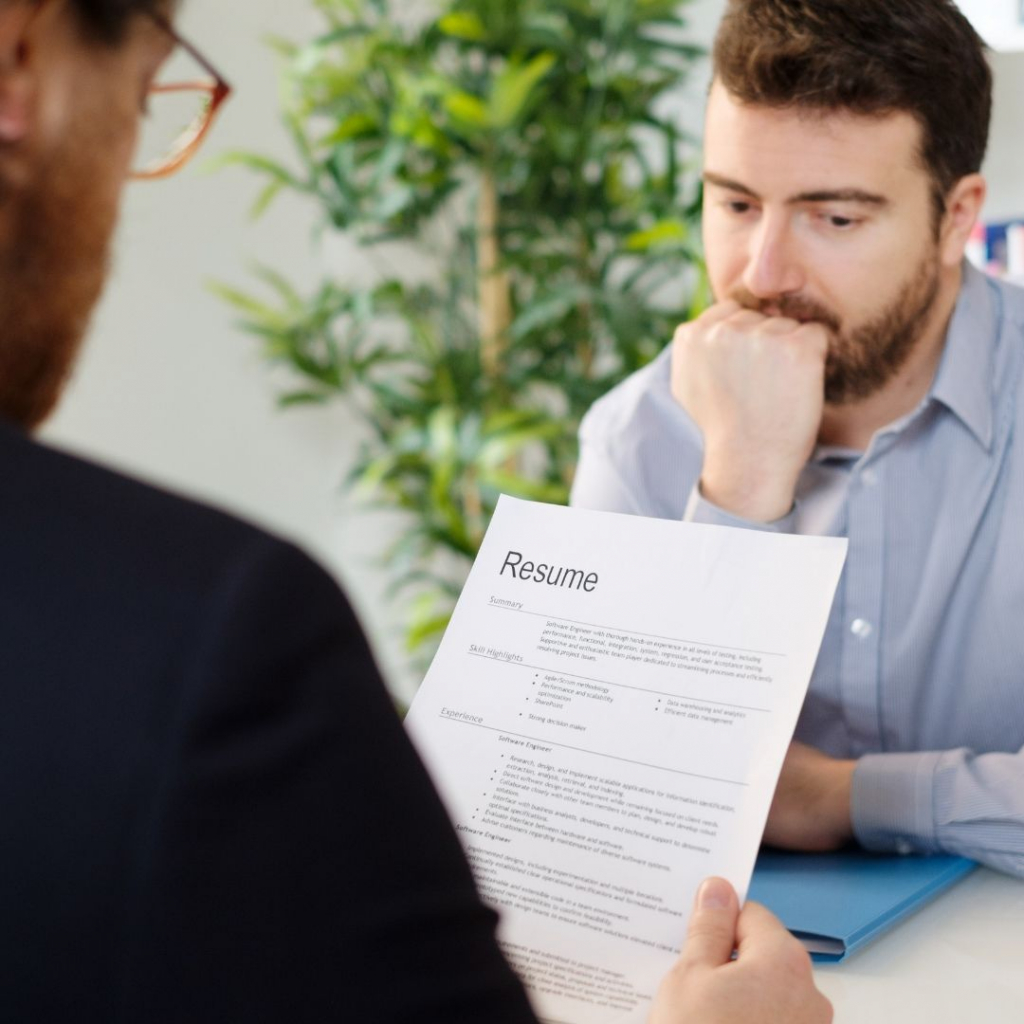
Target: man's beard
[(53, 263), (862, 361)]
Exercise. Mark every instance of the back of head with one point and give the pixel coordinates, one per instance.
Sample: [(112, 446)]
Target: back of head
[(70, 123), (106, 19), (870, 57)]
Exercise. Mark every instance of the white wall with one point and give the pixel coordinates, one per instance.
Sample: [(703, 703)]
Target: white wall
[(170, 390), (1004, 166), (999, 22)]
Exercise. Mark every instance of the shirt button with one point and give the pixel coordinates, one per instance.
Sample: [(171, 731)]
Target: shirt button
[(904, 846), (861, 629), (869, 478)]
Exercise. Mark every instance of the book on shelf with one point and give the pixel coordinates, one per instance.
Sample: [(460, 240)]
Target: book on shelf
[(997, 247)]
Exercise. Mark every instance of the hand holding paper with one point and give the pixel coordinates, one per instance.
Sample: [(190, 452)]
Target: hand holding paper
[(770, 977), (606, 719)]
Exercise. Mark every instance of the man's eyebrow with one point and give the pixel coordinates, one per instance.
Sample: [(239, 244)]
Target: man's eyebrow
[(710, 178), (837, 195), (841, 195)]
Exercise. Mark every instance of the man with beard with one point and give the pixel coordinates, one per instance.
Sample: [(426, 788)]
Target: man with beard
[(208, 808), (856, 377)]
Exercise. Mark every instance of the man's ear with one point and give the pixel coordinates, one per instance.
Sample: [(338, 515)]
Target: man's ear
[(963, 207), (22, 22), (15, 80)]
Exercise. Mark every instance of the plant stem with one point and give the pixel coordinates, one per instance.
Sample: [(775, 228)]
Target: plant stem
[(494, 283)]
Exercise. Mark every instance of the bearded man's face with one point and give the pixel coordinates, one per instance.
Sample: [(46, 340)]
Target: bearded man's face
[(79, 103), (826, 216)]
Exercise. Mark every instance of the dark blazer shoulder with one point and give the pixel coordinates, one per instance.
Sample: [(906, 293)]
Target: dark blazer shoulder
[(135, 625), (234, 825), (49, 492)]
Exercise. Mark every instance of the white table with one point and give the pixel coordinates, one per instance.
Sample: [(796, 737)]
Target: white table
[(959, 960)]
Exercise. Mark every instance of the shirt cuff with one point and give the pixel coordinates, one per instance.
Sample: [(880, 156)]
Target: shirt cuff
[(700, 510), (892, 804)]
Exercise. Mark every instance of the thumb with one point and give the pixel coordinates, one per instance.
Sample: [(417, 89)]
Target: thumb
[(711, 937)]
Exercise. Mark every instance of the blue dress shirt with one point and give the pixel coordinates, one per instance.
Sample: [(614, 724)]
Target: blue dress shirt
[(921, 672)]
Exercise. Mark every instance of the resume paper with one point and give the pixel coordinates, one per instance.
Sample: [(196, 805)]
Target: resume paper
[(606, 719)]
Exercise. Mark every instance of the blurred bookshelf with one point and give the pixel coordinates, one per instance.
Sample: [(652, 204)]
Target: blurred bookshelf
[(997, 245), (998, 249)]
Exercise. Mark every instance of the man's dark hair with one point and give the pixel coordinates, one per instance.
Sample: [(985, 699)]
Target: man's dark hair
[(106, 19), (872, 57)]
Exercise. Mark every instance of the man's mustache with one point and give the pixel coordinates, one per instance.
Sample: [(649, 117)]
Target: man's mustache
[(791, 306)]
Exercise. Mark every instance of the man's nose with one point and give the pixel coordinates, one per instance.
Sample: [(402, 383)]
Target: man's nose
[(773, 267)]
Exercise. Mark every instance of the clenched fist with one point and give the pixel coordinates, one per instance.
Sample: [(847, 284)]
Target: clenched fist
[(755, 387)]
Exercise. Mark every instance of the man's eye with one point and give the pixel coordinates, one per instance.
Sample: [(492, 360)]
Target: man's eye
[(841, 222), (737, 206)]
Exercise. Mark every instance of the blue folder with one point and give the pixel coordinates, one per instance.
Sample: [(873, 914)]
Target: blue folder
[(835, 903)]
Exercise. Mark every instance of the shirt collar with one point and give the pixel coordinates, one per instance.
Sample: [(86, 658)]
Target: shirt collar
[(964, 379)]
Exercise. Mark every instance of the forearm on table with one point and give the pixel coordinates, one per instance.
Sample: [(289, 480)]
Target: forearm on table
[(951, 801)]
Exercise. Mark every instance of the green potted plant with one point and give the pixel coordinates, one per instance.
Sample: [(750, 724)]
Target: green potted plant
[(516, 150)]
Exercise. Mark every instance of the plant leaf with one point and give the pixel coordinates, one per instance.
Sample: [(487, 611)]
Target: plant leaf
[(664, 234), (463, 25), (513, 90), (468, 110)]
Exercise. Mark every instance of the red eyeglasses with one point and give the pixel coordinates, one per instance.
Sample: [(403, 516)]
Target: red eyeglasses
[(182, 105)]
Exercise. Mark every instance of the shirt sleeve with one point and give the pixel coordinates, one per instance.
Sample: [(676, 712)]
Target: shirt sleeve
[(598, 484), (952, 802), (700, 510)]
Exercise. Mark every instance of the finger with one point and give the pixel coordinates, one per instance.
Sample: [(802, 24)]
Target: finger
[(746, 318), (758, 931), (814, 333), (720, 311), (779, 325), (717, 313), (711, 936)]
